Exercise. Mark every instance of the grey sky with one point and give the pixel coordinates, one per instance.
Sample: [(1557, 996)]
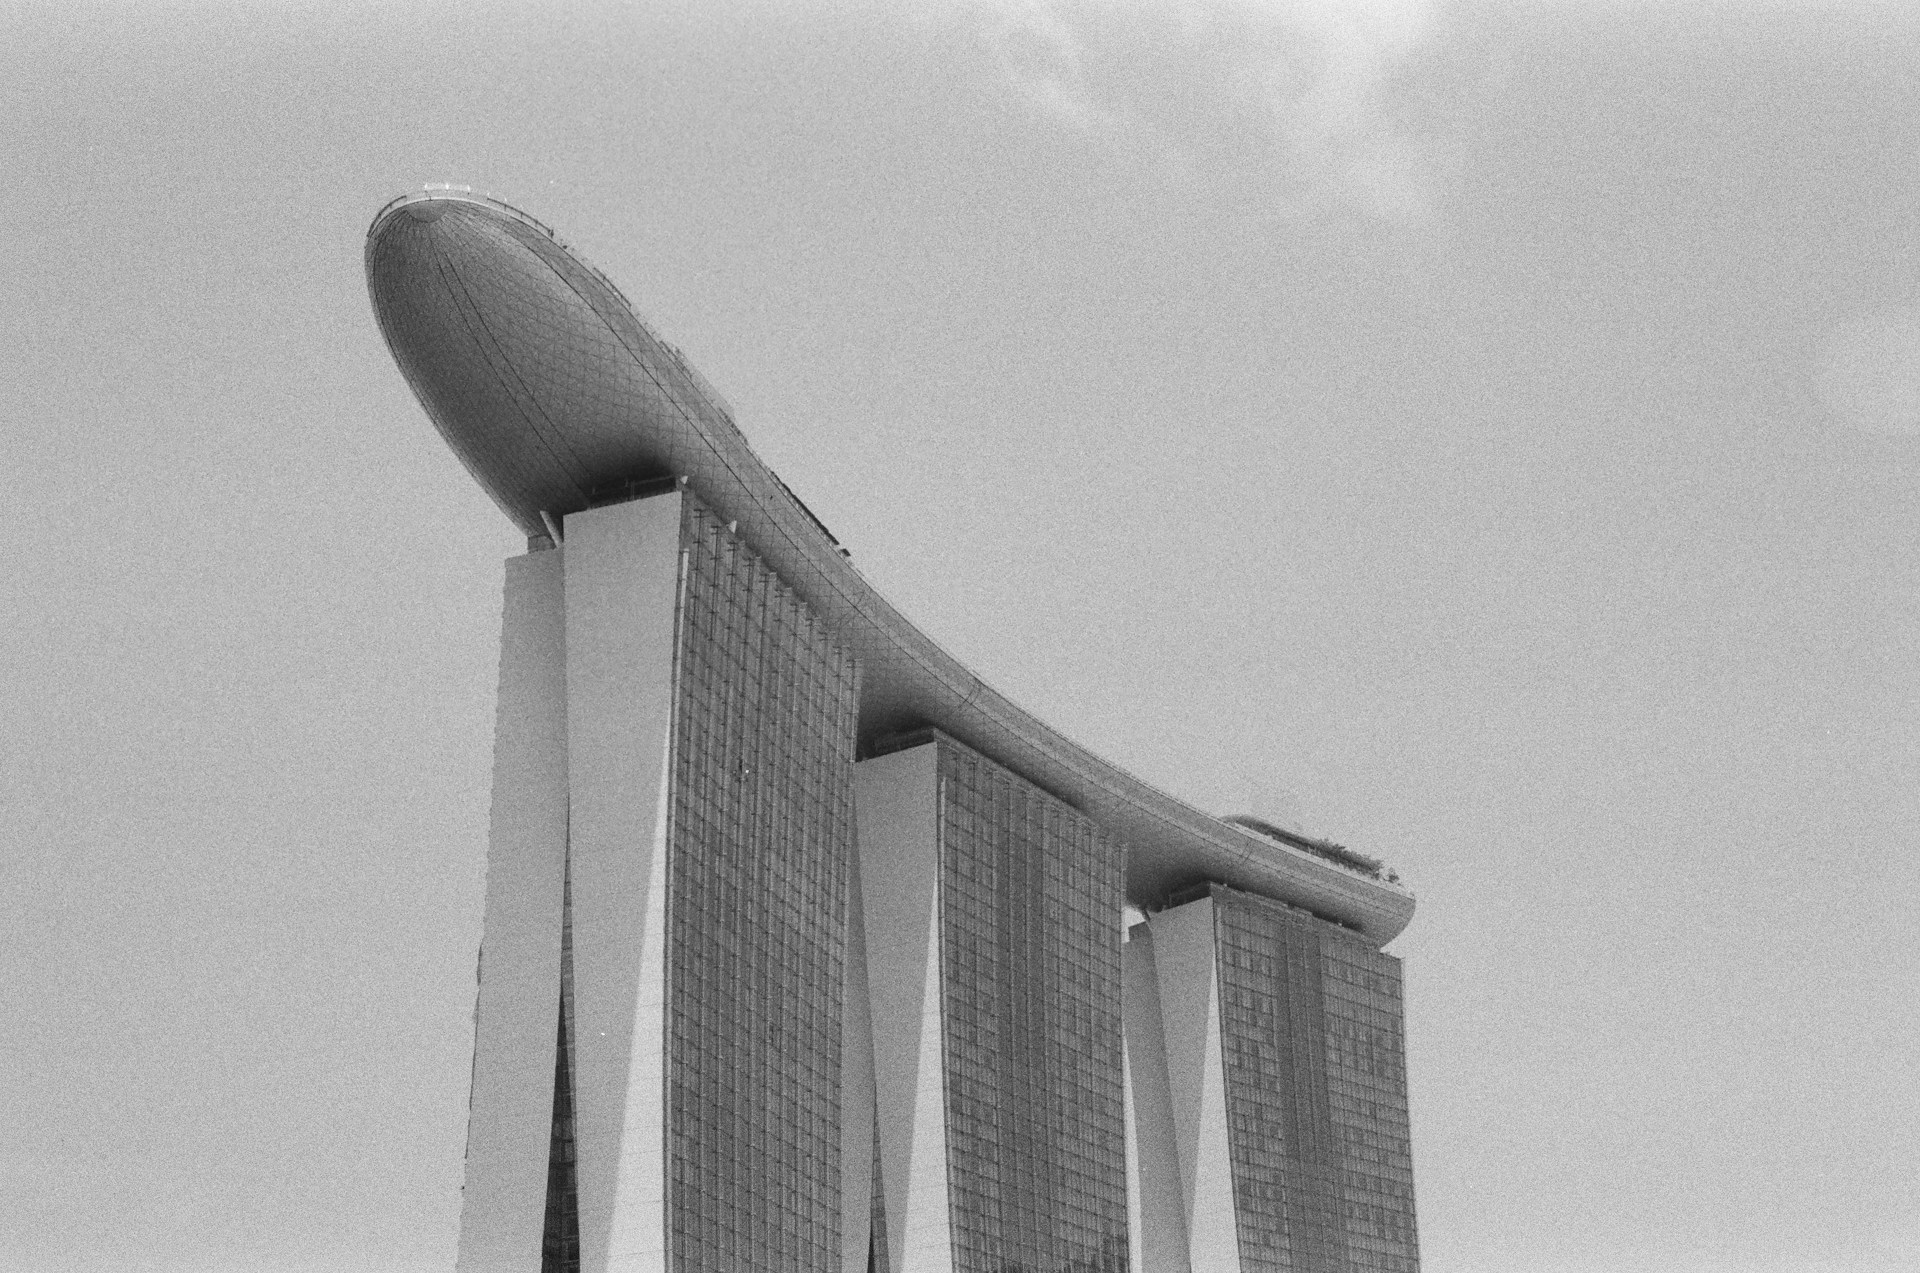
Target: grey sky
[(1485, 434)]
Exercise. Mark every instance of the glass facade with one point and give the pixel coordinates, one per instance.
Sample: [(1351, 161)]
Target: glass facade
[(760, 841), (560, 1245), (1310, 1027), (1366, 1062), (760, 837), (1031, 895), (876, 1214)]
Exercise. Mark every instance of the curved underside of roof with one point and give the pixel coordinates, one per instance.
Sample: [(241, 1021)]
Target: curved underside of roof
[(556, 397)]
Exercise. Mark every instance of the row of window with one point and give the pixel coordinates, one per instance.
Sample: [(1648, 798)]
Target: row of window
[(758, 864), (1031, 893), (1296, 1133), (1030, 900)]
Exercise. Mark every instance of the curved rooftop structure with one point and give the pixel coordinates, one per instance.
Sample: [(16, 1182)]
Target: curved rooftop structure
[(558, 398)]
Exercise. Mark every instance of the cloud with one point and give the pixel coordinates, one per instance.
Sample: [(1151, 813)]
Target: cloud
[(1296, 88)]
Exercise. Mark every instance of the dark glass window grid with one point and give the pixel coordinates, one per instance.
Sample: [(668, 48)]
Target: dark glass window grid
[(1031, 895), (1316, 1092), (560, 1241), (761, 831)]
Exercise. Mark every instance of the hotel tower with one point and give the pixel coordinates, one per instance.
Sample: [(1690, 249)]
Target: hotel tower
[(805, 950)]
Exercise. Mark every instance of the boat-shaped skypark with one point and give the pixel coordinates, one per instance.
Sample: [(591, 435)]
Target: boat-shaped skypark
[(559, 399)]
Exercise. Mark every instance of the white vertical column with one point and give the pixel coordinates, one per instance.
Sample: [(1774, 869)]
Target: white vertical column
[(1136, 1224), (897, 810), (622, 595), (517, 1016), (1156, 1200), (926, 1239), (1186, 970), (856, 1088)]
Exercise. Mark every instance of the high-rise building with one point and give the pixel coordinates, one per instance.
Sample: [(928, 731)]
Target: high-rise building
[(803, 948)]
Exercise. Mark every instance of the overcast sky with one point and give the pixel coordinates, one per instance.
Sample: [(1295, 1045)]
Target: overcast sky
[(1485, 434)]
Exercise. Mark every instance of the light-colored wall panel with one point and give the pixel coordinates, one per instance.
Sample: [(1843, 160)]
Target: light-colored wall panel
[(1158, 1228), (1185, 965), (622, 587), (856, 1088), (926, 1228), (896, 808), (516, 1018)]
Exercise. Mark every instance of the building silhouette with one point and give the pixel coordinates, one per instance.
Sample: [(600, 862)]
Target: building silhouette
[(803, 948)]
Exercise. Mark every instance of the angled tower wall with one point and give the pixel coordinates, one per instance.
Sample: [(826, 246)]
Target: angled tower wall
[(992, 920), (510, 1110), (747, 1004), (1286, 1081), (674, 816)]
